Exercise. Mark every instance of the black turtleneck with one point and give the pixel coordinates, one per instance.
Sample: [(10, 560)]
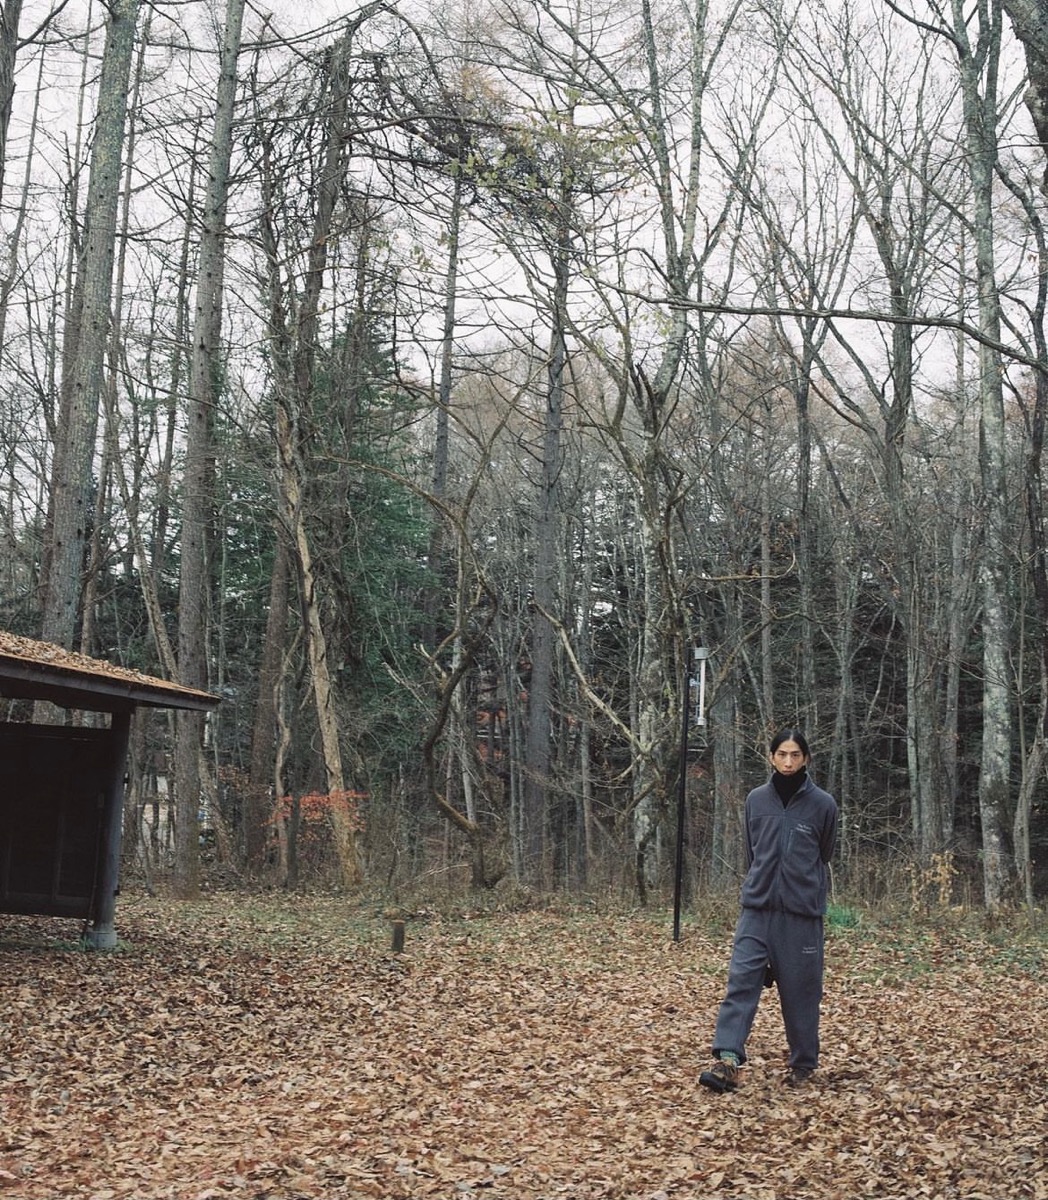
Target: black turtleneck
[(787, 786)]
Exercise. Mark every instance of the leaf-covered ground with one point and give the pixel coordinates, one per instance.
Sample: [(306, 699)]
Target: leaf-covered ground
[(279, 1049)]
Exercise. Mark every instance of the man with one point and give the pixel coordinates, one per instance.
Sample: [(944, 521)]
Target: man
[(791, 833)]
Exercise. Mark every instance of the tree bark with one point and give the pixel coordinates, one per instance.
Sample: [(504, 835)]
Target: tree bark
[(198, 476), (978, 77), (294, 361), (10, 15), (538, 753), (262, 794), (74, 454), (1030, 21)]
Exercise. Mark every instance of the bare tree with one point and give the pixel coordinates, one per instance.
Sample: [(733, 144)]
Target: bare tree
[(9, 18), (883, 139), (1030, 21), (74, 454), (977, 46), (293, 333), (205, 371)]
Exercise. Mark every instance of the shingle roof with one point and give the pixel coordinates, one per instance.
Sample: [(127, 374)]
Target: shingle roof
[(41, 671)]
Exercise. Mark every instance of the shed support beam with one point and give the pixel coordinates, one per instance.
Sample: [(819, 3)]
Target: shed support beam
[(101, 933)]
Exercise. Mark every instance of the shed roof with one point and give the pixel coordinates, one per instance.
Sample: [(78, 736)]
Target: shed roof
[(35, 670)]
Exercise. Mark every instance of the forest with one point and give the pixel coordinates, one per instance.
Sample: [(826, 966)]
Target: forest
[(515, 411)]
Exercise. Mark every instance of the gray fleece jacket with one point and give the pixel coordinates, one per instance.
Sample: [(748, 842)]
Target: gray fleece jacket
[(787, 849)]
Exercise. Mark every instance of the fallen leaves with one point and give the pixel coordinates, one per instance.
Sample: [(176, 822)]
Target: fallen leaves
[(280, 1052)]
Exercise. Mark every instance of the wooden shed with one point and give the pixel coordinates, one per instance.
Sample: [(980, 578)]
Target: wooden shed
[(62, 786)]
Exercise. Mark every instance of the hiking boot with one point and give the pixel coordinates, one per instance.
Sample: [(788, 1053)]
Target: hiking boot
[(723, 1076), (799, 1076)]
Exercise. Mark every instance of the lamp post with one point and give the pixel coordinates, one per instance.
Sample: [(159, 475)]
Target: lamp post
[(694, 676)]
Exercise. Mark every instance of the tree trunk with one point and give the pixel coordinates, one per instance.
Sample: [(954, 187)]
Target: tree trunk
[(441, 437), (262, 798), (14, 238), (10, 14), (538, 752), (767, 671), (808, 716), (1030, 21), (978, 76), (294, 360), (726, 821), (74, 454), (198, 478), (111, 459)]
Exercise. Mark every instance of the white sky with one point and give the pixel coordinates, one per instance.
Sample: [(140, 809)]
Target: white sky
[(289, 17)]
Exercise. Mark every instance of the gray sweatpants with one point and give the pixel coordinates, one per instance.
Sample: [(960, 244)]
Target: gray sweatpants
[(794, 947)]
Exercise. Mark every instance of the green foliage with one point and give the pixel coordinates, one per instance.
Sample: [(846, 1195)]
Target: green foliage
[(370, 537), (842, 916)]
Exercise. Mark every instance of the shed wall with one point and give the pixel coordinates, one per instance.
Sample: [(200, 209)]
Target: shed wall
[(52, 808)]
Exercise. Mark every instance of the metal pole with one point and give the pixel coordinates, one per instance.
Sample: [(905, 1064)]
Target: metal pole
[(699, 655), (682, 793)]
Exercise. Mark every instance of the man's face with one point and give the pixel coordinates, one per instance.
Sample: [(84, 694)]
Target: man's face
[(789, 758)]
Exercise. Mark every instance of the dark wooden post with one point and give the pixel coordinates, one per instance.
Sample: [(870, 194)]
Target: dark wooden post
[(101, 934)]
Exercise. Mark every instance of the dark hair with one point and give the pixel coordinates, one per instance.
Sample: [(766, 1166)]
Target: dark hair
[(790, 735)]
